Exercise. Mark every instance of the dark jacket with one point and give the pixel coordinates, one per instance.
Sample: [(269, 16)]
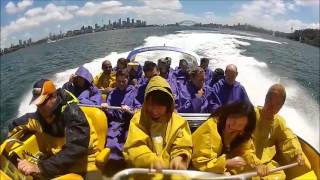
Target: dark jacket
[(70, 122)]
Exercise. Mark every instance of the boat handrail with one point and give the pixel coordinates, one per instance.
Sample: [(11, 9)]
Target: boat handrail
[(195, 114), (98, 106), (187, 116), (189, 173), (195, 174), (133, 53)]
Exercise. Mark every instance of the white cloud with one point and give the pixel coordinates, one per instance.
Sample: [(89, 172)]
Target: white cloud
[(11, 8), (269, 15), (38, 16), (291, 6), (107, 7), (308, 2), (163, 4), (272, 7)]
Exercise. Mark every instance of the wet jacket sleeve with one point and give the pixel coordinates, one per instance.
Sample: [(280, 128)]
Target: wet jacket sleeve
[(136, 152), (76, 146), (245, 95), (247, 151), (183, 143), (205, 156), (91, 97), (213, 102), (96, 79), (28, 122), (194, 105), (287, 141)]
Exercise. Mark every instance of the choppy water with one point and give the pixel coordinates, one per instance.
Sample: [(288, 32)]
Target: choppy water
[(262, 60)]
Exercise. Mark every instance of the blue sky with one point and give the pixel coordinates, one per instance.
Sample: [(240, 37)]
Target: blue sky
[(21, 19)]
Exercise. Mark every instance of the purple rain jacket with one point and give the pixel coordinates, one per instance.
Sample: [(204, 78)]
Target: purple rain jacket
[(190, 103), (140, 93), (179, 75), (118, 122), (135, 74), (228, 94), (91, 95), (175, 89), (208, 76)]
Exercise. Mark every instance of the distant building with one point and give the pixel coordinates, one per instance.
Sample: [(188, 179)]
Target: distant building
[(29, 41)]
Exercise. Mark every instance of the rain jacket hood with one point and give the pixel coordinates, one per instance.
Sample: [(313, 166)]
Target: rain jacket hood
[(158, 83), (84, 73)]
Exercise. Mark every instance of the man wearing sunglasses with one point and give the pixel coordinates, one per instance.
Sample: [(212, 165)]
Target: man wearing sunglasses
[(57, 116), (105, 81)]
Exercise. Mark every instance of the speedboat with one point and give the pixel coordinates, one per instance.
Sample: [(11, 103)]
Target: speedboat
[(32, 146)]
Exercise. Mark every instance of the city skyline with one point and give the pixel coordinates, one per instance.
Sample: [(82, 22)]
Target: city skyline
[(36, 19), (85, 29)]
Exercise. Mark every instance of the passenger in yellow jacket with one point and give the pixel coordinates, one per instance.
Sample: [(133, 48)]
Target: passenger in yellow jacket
[(105, 81), (158, 137), (223, 143), (272, 137)]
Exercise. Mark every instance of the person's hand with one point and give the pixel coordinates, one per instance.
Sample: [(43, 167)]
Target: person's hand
[(28, 168), (178, 163), (134, 82), (125, 108), (106, 90), (104, 106), (109, 89), (200, 93), (157, 165), (262, 170), (300, 159), (235, 162)]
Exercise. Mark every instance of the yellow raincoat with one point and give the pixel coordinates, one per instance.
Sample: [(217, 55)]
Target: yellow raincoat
[(149, 141), (103, 81), (275, 141), (207, 150)]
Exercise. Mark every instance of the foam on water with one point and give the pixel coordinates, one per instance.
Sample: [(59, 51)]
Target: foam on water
[(225, 49)]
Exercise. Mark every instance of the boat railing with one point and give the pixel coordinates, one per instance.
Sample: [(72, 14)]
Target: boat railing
[(193, 174)]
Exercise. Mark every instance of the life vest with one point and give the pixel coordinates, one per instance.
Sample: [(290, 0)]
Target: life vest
[(73, 100)]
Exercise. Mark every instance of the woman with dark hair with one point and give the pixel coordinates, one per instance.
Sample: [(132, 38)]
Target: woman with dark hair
[(223, 143)]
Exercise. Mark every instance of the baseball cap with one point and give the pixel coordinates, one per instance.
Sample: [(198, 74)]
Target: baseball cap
[(42, 89)]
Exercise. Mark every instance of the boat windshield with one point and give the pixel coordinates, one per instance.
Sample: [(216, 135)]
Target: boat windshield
[(154, 53)]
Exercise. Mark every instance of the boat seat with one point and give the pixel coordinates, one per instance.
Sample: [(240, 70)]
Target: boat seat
[(98, 120), (195, 119)]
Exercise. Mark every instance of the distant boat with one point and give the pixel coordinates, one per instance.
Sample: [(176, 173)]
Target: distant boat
[(51, 41)]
